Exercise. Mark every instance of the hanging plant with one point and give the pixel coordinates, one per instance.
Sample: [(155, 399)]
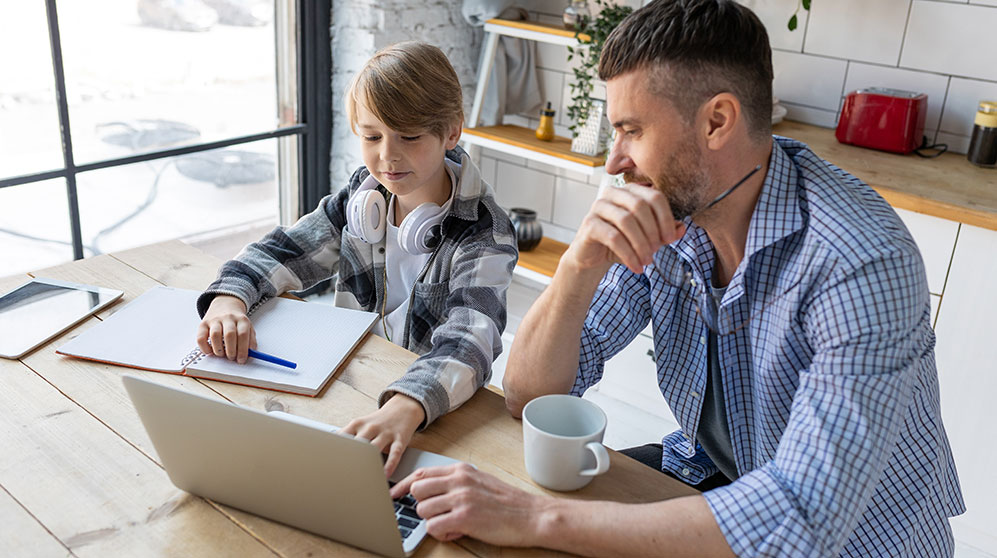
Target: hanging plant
[(591, 33), (793, 21)]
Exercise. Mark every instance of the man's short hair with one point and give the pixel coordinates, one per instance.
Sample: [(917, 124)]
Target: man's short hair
[(693, 50), (408, 86)]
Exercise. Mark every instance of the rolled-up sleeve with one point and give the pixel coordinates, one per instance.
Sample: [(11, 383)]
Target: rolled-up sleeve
[(867, 333)]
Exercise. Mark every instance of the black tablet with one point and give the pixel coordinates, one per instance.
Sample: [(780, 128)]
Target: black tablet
[(43, 308)]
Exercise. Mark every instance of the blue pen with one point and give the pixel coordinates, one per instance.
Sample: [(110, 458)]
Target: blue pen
[(271, 358)]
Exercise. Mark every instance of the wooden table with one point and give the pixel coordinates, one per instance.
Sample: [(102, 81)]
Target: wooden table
[(79, 476)]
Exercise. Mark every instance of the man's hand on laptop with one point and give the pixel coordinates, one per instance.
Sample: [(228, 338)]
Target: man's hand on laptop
[(458, 500), (390, 428)]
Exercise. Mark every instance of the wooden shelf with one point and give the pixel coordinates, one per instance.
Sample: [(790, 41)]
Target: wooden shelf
[(535, 31), (544, 258), (948, 186), (523, 142)]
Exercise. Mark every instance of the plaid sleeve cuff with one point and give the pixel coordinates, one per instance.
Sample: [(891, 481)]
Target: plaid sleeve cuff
[(758, 518)]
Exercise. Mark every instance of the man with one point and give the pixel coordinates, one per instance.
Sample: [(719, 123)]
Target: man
[(791, 327)]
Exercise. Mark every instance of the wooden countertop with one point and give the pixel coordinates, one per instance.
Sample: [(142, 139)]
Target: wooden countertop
[(948, 186)]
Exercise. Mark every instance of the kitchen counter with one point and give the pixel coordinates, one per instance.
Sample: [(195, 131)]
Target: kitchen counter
[(948, 186)]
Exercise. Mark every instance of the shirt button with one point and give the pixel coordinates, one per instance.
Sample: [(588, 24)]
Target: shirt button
[(694, 394), (702, 340), (686, 472), (684, 435)]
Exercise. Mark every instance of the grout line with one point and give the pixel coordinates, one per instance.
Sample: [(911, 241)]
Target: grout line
[(941, 113), (903, 37)]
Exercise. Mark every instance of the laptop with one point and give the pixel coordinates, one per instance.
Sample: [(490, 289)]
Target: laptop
[(283, 467)]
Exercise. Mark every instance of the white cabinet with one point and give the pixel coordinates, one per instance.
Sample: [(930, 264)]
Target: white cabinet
[(967, 370)]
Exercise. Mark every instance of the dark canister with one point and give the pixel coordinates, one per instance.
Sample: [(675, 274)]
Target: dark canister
[(983, 143), (528, 229)]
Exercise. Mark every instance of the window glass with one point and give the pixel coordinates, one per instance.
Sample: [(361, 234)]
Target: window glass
[(143, 75), (190, 196), (34, 227), (29, 120)]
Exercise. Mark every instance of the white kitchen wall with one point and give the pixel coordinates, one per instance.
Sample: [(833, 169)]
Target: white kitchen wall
[(942, 48)]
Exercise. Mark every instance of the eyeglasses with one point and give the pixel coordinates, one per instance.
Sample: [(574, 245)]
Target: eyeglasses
[(678, 274)]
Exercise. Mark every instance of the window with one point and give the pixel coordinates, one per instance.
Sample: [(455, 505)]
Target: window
[(127, 122)]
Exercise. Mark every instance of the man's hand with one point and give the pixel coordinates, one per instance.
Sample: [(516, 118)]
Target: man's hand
[(459, 500), (390, 428), (226, 330), (625, 225)]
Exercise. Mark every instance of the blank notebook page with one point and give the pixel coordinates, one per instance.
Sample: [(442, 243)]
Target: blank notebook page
[(316, 336)]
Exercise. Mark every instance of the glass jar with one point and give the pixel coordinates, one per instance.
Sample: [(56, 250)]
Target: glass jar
[(983, 144), (528, 229), (573, 13)]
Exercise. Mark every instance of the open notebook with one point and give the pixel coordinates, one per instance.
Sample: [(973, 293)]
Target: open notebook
[(156, 332)]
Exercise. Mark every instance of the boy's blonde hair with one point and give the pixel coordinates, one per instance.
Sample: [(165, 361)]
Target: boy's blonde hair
[(408, 86)]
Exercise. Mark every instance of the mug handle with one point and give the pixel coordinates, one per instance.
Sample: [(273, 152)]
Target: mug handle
[(601, 459)]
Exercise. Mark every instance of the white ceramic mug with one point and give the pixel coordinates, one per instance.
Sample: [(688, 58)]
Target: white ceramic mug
[(562, 441)]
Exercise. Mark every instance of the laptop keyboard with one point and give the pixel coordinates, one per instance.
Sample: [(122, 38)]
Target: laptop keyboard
[(405, 514)]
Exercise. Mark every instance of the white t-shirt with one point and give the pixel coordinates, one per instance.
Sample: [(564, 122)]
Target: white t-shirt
[(402, 270)]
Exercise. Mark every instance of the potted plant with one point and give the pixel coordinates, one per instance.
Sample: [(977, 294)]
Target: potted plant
[(591, 32)]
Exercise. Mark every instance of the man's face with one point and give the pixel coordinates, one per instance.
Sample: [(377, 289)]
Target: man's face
[(654, 146)]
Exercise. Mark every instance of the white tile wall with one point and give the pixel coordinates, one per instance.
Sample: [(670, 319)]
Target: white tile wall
[(775, 15), (572, 201), (857, 29), (522, 187), (956, 39), (960, 107), (812, 81)]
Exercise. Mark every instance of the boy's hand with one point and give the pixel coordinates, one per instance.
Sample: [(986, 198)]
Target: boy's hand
[(226, 330), (390, 428)]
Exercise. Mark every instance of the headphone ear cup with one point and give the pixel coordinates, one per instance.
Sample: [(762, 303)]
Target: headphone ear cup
[(419, 232), (366, 214)]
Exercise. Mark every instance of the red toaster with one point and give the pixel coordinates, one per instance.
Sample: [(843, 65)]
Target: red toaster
[(885, 119)]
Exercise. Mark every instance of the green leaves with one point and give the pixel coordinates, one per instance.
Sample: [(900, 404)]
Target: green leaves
[(793, 21), (598, 29)]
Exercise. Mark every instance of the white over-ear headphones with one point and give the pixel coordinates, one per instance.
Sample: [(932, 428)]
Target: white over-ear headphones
[(366, 215)]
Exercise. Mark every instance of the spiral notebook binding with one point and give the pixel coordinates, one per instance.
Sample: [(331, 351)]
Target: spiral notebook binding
[(192, 357)]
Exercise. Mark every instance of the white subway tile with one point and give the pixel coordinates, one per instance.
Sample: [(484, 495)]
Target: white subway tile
[(551, 88), (552, 7), (955, 39), (542, 167), (870, 31), (554, 57), (862, 75), (572, 201), (809, 115), (984, 2), (960, 106), (813, 81), (522, 187), (775, 14), (956, 143), (571, 175)]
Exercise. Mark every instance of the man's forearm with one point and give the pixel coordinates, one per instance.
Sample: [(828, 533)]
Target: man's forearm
[(679, 527), (544, 354)]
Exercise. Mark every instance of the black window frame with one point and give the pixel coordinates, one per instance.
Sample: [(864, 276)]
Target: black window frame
[(314, 127)]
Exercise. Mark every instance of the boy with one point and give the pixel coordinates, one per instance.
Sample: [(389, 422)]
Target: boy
[(416, 236)]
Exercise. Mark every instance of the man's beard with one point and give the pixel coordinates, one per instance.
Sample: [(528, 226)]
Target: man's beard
[(683, 182)]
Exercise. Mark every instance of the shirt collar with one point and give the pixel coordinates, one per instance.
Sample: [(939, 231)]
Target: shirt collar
[(777, 215)]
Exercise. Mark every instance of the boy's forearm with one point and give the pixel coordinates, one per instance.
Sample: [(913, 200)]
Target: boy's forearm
[(544, 354)]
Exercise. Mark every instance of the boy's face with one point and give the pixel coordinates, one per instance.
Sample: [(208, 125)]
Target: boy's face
[(410, 163)]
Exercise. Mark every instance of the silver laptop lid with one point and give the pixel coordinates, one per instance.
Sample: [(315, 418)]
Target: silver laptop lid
[(330, 485)]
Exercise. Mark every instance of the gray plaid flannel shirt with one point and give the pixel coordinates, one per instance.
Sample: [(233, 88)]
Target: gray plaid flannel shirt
[(457, 310)]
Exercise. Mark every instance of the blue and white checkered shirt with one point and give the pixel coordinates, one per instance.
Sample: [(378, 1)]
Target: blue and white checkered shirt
[(828, 371)]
